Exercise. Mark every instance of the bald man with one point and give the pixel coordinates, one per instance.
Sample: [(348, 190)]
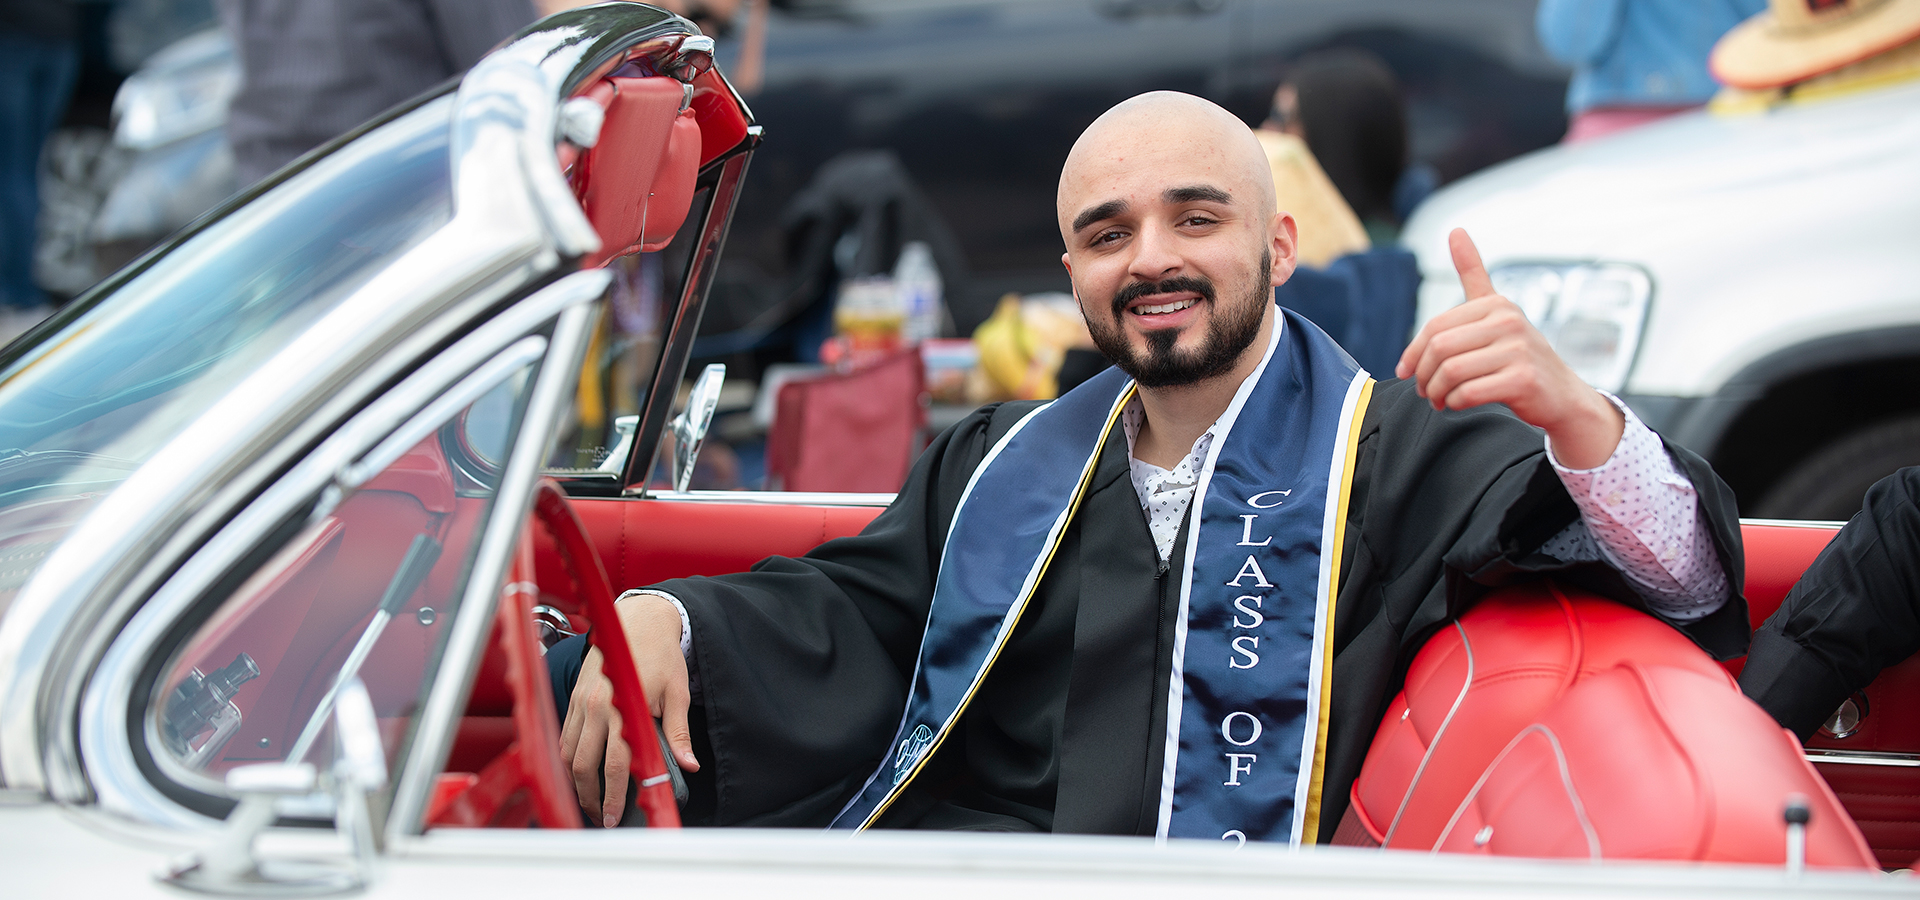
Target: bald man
[(1175, 601)]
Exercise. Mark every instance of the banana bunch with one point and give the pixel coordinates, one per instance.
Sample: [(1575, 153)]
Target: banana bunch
[(1021, 347)]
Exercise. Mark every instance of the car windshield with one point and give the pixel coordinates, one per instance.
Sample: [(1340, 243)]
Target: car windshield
[(93, 400)]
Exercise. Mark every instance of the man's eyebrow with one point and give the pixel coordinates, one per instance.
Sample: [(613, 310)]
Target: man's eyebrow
[(1094, 214), (1196, 193)]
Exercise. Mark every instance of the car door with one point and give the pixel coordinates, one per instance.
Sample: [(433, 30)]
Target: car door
[(373, 559)]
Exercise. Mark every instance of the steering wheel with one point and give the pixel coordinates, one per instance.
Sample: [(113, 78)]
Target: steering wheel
[(529, 782), (655, 793)]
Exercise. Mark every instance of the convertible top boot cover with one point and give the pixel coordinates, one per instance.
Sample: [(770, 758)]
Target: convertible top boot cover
[(1545, 717), (1653, 762)]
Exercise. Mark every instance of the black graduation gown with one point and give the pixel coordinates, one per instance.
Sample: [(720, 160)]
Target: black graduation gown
[(1855, 611), (803, 664)]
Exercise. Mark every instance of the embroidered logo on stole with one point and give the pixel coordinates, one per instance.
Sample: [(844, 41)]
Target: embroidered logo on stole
[(1247, 697)]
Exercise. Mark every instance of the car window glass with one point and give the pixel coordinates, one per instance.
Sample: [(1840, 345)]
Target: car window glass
[(93, 401), (366, 589)]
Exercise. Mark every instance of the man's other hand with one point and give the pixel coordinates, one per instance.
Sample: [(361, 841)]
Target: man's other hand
[(1485, 351), (590, 739)]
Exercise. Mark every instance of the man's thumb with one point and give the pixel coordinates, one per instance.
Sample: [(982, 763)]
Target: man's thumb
[(1466, 261), (673, 724)]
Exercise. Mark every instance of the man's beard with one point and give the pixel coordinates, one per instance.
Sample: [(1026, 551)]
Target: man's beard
[(1230, 331)]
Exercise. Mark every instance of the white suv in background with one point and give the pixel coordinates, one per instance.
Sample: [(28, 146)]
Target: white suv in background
[(1749, 284)]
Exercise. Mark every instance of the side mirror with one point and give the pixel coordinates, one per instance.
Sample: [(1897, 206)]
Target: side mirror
[(690, 427), (623, 428)]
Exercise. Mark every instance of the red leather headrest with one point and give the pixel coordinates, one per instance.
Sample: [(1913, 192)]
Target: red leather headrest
[(636, 183)]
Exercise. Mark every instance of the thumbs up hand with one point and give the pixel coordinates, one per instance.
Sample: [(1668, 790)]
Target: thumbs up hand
[(1485, 351)]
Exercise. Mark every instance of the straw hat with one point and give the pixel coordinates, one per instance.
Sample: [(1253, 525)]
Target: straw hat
[(1798, 39), (1327, 227)]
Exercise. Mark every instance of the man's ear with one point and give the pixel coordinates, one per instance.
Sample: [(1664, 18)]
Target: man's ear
[(1285, 247), (1074, 289)]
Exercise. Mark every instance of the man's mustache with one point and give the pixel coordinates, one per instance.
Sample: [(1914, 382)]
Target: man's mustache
[(1177, 284)]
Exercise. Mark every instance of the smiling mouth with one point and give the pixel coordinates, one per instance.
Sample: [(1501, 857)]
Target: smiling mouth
[(1164, 308)]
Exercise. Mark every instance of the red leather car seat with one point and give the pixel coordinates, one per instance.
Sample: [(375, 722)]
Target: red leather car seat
[(1506, 669), (636, 183)]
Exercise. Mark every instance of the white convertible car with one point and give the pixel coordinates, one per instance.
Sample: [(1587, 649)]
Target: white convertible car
[(271, 610)]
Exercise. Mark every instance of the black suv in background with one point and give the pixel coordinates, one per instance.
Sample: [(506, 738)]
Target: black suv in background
[(978, 101)]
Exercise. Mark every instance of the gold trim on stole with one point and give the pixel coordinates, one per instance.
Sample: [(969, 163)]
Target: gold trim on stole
[(1310, 830), (1019, 607)]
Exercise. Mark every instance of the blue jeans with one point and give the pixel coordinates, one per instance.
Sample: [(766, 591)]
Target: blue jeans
[(36, 78)]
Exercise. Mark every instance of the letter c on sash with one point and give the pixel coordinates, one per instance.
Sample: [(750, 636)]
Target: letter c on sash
[(1226, 728), (1236, 834), (1254, 501)]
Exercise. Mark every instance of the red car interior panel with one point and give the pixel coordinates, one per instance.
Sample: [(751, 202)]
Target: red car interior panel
[(645, 541), (1776, 557), (1885, 802)]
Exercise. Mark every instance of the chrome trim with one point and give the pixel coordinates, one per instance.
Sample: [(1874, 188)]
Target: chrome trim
[(466, 638), (505, 112), (1865, 758), (449, 404), (492, 244), (677, 346), (689, 428), (1823, 524), (115, 775), (775, 498), (693, 57), (1438, 735)]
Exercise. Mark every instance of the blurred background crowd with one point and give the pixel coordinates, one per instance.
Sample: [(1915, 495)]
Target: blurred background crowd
[(902, 205)]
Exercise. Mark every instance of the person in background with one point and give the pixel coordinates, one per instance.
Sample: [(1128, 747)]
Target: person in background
[(1635, 61), (1361, 293), (311, 71), (1347, 105), (38, 63)]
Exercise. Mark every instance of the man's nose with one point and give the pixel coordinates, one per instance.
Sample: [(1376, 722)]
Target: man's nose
[(1156, 253)]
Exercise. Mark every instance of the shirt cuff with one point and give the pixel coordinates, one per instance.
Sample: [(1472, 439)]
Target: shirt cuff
[(1643, 514), (686, 624), (1634, 431)]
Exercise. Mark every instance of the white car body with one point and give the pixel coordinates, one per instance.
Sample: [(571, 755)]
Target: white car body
[(1780, 245)]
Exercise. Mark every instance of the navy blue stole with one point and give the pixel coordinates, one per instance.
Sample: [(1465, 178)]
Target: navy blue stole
[(1247, 705)]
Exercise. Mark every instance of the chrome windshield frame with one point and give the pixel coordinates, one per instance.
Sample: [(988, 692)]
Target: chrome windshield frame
[(111, 769), (514, 227)]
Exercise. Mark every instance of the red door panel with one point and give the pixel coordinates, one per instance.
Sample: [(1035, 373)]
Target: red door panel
[(642, 542)]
